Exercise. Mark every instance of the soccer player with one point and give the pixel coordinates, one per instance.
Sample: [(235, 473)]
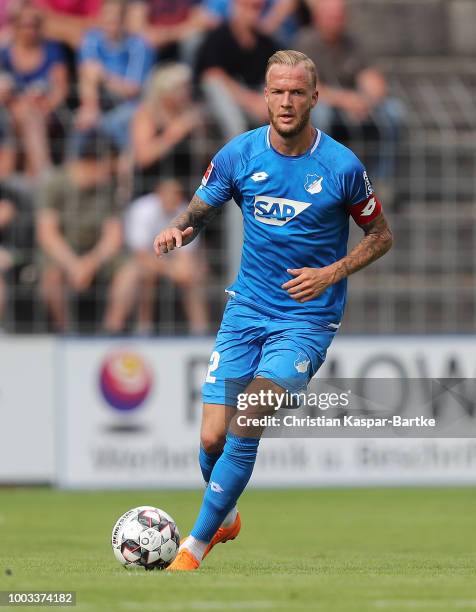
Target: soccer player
[(296, 188)]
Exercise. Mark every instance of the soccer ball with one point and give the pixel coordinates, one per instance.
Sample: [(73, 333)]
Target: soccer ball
[(145, 537)]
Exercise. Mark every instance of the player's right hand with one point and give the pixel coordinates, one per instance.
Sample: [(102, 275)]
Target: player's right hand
[(170, 238)]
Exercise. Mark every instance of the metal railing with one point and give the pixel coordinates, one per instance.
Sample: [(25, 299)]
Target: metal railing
[(425, 284)]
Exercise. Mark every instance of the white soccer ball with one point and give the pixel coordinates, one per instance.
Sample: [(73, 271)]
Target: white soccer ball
[(145, 537)]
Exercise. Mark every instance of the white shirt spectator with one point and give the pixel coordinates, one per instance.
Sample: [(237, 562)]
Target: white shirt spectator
[(145, 218)]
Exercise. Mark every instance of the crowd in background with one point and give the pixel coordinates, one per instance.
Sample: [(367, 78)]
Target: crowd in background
[(107, 111)]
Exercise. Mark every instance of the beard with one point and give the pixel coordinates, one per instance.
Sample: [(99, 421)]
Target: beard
[(290, 131)]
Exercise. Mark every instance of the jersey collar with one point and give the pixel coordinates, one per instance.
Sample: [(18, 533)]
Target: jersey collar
[(317, 139)]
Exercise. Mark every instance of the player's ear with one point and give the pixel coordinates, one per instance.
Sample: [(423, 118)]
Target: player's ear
[(266, 95), (315, 98)]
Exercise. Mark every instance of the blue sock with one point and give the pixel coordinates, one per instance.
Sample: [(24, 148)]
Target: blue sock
[(207, 462), (229, 477)]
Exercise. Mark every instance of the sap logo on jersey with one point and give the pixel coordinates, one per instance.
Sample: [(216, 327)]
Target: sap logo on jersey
[(277, 211)]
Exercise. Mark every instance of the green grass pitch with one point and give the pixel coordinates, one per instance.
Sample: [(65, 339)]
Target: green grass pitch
[(349, 550)]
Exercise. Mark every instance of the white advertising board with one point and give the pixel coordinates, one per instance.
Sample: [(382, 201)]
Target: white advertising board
[(129, 414), (27, 405)]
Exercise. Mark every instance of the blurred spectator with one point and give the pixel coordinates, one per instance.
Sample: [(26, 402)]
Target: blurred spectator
[(114, 66), (8, 148), (166, 128), (4, 13), (33, 87), (353, 94), (8, 213), (231, 65), (277, 16), (79, 226), (67, 20), (5, 21), (172, 26), (136, 280)]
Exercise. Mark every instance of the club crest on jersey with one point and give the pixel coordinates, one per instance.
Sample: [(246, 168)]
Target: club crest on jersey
[(208, 171), (277, 211), (302, 363), (313, 183)]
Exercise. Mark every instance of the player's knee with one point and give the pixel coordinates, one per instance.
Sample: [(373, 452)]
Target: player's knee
[(212, 442)]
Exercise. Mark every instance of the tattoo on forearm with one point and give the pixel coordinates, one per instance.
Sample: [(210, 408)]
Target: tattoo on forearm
[(197, 215), (376, 242)]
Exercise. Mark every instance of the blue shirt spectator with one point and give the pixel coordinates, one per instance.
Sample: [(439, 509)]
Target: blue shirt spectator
[(39, 76), (34, 88), (113, 67), (130, 58), (284, 29)]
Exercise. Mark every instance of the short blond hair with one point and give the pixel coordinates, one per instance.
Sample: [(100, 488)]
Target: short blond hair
[(165, 80), (292, 58)]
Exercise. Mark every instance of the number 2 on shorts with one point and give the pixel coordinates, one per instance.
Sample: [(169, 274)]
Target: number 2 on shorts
[(214, 361)]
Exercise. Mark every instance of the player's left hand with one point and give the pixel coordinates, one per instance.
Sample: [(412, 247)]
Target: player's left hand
[(308, 283)]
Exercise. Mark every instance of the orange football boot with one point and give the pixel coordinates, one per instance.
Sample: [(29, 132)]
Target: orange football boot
[(186, 562), (183, 562), (224, 534)]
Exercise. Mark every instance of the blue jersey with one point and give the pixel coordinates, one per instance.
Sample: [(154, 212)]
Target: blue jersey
[(295, 214)]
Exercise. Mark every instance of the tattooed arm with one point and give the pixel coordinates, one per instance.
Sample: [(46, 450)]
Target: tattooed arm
[(185, 227), (311, 282), (376, 242)]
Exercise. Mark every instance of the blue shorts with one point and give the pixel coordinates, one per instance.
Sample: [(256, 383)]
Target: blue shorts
[(249, 344)]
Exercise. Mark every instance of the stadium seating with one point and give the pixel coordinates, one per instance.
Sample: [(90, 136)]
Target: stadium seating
[(426, 284)]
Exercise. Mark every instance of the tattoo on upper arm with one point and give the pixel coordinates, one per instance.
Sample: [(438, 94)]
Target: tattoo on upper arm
[(378, 227), (197, 215), (376, 242)]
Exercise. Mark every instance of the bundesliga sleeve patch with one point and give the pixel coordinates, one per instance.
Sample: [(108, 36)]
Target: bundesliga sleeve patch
[(365, 211), (208, 171)]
